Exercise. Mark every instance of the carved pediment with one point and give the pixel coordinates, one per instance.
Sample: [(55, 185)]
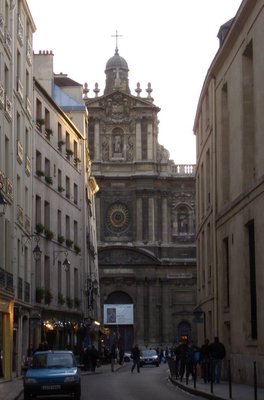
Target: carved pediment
[(125, 256)]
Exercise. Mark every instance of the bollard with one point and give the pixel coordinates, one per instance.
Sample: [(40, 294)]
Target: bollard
[(255, 381), (229, 379)]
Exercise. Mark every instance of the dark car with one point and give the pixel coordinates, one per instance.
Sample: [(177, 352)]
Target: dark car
[(52, 373), (149, 357)]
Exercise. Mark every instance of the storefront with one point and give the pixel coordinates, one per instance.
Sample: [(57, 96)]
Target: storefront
[(6, 321)]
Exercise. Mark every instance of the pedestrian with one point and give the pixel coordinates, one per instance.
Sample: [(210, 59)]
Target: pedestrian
[(182, 354), (113, 356), (93, 357), (121, 356), (217, 354), (205, 361), (135, 355)]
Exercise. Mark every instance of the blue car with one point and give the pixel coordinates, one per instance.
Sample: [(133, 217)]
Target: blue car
[(52, 373)]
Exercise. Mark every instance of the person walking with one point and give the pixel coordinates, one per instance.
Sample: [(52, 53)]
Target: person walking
[(93, 357), (217, 354), (205, 361), (113, 356), (135, 354)]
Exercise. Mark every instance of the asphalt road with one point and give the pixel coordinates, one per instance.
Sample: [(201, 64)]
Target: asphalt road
[(151, 383)]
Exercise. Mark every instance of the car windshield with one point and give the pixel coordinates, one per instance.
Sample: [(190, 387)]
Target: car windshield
[(149, 353), (53, 360)]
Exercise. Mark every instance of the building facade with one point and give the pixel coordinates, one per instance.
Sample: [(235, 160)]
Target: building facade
[(145, 218), (229, 186), (16, 113), (48, 268)]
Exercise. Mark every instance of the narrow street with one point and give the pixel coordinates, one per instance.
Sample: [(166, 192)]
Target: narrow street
[(151, 383)]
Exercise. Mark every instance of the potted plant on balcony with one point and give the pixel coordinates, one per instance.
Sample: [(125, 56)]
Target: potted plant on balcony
[(48, 234), (61, 299), (61, 189), (69, 242), (69, 152), (40, 292), (61, 239), (39, 173), (77, 248), (77, 302), (49, 180), (48, 296), (69, 302), (39, 228)]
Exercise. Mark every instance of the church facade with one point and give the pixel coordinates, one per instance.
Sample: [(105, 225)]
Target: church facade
[(145, 211)]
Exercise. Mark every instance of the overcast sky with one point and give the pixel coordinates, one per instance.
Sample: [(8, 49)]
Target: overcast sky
[(169, 43)]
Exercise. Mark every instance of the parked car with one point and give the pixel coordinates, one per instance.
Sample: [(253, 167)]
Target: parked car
[(149, 357), (52, 373), (127, 356)]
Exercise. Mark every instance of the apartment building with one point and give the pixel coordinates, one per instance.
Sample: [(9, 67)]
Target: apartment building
[(49, 284), (229, 127), (16, 93)]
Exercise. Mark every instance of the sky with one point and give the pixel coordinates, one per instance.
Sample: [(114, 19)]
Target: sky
[(168, 43)]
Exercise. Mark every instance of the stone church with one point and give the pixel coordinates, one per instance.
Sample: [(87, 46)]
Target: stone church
[(145, 211)]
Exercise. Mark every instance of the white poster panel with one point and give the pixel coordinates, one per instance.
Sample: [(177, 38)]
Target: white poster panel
[(118, 314)]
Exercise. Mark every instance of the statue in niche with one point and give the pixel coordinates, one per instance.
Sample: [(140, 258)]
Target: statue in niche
[(117, 144)]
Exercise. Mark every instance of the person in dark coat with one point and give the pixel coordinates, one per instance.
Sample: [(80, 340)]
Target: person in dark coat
[(93, 357), (182, 355), (135, 354), (217, 354), (113, 356), (205, 361)]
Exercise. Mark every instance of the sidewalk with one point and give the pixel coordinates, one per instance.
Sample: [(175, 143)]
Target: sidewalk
[(12, 390), (220, 391)]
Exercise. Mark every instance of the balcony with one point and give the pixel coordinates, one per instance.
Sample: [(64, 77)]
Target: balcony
[(28, 105), (8, 107), (20, 30), (184, 170), (20, 216), (19, 152), (19, 88), (27, 165), (6, 281), (8, 42), (29, 52), (2, 28), (2, 96), (27, 224)]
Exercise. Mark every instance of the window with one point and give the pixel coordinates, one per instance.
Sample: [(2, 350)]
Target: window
[(68, 191), (38, 210), (252, 279), (47, 215), (75, 193), (59, 222), (226, 272), (38, 161), (75, 227)]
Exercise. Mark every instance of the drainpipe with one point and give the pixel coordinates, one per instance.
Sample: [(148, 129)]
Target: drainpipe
[(214, 202)]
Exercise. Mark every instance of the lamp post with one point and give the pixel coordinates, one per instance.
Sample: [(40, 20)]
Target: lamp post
[(66, 263), (3, 202), (36, 251), (200, 317), (91, 287)]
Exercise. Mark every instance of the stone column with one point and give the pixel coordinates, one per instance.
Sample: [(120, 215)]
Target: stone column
[(98, 219), (164, 221), (139, 220), (151, 220), (97, 141), (138, 141), (150, 140)]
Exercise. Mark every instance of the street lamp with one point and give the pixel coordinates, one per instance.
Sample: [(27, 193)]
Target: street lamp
[(200, 316), (91, 287), (36, 251), (3, 202), (66, 263)]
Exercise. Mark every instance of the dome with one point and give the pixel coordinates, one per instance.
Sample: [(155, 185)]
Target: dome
[(116, 62)]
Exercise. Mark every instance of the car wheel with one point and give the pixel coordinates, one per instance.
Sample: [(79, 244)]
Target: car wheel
[(157, 365), (27, 396), (77, 396)]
